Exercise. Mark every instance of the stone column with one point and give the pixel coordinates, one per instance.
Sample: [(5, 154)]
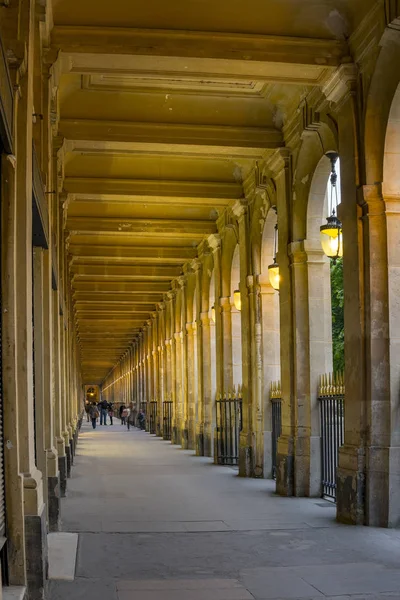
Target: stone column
[(351, 492), (14, 480), (214, 241), (34, 508), (58, 408), (208, 400), (190, 366), (185, 374), (281, 167), (199, 391), (271, 362), (162, 368)]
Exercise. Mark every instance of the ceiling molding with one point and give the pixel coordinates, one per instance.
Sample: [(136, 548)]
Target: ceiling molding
[(177, 43), (161, 134), (196, 189)]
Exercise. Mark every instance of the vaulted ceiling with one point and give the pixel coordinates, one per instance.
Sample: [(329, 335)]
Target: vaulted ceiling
[(164, 109)]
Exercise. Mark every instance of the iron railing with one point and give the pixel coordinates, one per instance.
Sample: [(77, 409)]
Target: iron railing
[(152, 416), (276, 414), (167, 419), (229, 426), (331, 402)]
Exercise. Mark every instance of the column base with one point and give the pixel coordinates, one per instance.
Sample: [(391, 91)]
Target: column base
[(350, 481), (267, 454), (285, 467), (69, 459), (53, 487), (72, 449), (245, 456), (208, 443), (62, 468), (200, 444), (185, 439), (36, 554), (175, 436)]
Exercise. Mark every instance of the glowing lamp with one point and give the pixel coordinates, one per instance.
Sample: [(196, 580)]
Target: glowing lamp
[(274, 277), (213, 314), (237, 300)]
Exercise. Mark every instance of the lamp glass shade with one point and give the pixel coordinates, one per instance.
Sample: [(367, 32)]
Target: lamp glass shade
[(274, 277), (332, 241), (213, 314), (237, 301)]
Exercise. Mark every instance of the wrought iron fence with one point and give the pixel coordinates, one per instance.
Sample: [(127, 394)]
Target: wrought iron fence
[(331, 402), (276, 413), (167, 419), (152, 416), (229, 426)]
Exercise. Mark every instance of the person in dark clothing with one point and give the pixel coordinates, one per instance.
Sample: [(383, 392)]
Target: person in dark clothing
[(94, 414), (121, 410), (103, 412), (142, 420), (110, 412)]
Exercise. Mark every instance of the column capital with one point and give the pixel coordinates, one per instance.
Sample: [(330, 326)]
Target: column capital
[(214, 241), (340, 84), (225, 304), (297, 253), (279, 161), (240, 207), (373, 199), (205, 318)]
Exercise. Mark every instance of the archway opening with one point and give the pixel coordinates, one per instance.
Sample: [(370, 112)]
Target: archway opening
[(236, 320), (271, 347)]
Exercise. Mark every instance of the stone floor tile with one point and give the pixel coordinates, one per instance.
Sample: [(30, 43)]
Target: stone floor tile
[(217, 594), (62, 555), (83, 589), (178, 584), (356, 578), (193, 526), (279, 584)]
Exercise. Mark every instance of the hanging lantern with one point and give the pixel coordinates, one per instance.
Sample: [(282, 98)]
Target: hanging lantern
[(237, 300), (273, 270), (213, 314), (331, 234)]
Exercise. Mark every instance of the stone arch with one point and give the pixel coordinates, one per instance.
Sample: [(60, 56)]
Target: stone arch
[(263, 201), (381, 93), (314, 145), (230, 239)]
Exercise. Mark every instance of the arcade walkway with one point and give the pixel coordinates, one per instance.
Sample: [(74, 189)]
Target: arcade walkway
[(157, 523)]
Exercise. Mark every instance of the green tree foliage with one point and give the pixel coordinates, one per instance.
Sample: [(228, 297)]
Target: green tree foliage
[(337, 296)]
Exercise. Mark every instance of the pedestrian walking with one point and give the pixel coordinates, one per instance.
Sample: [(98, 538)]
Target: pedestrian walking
[(110, 412), (87, 410), (131, 419), (103, 412), (94, 414), (124, 415)]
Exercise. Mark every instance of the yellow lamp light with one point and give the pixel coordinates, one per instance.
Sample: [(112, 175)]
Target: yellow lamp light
[(332, 238), (331, 233), (237, 300), (274, 277), (213, 314)]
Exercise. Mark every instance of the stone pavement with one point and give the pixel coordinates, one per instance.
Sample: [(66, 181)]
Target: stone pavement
[(157, 523)]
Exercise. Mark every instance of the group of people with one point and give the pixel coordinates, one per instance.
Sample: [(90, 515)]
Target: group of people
[(128, 414), (131, 417), (101, 409)]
